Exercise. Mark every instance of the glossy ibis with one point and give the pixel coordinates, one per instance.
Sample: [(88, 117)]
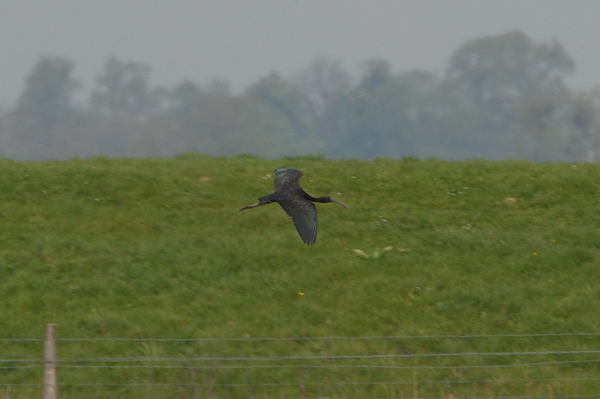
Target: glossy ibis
[(296, 202)]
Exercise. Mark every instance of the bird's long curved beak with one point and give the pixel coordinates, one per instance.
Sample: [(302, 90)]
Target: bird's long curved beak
[(341, 203)]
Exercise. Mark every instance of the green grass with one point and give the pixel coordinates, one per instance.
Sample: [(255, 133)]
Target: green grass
[(156, 248)]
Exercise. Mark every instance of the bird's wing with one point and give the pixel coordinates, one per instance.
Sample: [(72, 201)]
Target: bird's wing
[(286, 178), (304, 215)]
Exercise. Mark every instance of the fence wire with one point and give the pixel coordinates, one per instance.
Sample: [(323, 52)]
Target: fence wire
[(428, 366)]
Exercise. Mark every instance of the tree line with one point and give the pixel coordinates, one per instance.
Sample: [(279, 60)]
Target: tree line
[(499, 97)]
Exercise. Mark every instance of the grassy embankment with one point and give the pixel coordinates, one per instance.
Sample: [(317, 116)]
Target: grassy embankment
[(156, 248)]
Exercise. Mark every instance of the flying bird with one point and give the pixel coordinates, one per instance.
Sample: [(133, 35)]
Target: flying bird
[(296, 202)]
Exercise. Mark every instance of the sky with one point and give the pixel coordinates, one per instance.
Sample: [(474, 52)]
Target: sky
[(243, 40)]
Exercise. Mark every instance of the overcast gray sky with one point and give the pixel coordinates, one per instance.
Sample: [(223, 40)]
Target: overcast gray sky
[(243, 40)]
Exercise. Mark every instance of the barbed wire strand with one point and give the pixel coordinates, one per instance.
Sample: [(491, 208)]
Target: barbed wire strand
[(327, 366), (318, 357), (340, 383), (324, 357), (576, 396), (382, 337)]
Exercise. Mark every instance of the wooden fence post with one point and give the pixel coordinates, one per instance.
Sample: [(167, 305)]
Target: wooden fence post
[(50, 387)]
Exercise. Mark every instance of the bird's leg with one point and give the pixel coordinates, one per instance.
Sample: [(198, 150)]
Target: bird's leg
[(267, 199), (250, 206)]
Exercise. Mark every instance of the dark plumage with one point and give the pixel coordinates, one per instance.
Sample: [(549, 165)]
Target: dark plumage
[(296, 202)]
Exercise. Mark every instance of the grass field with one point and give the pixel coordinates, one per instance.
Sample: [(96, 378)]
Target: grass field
[(157, 248)]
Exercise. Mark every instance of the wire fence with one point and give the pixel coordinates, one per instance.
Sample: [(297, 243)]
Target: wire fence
[(562, 365)]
